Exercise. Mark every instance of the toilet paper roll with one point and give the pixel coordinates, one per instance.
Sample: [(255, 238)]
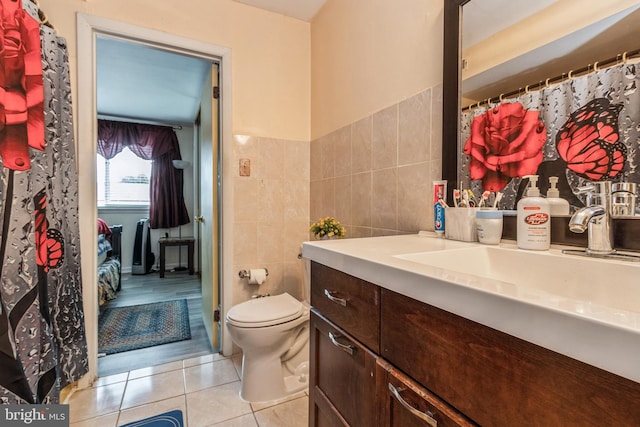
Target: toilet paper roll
[(257, 276)]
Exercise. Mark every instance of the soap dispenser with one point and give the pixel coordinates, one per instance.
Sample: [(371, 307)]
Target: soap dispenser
[(557, 205), (533, 219)]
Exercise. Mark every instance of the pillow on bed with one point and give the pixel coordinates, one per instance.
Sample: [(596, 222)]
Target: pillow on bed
[(103, 247), (103, 227)]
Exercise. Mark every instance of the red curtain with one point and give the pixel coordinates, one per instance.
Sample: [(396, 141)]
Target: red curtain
[(157, 143)]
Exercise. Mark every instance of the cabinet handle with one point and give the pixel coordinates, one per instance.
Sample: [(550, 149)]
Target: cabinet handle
[(341, 301), (426, 417), (347, 348)]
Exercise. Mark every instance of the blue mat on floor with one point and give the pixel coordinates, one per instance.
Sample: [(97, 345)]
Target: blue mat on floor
[(168, 419), (140, 326)]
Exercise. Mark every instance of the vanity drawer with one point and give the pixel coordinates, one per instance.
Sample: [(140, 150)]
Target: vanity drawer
[(496, 379), (404, 403), (342, 377), (351, 303)]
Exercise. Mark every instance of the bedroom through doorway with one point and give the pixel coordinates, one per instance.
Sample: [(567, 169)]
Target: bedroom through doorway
[(149, 286)]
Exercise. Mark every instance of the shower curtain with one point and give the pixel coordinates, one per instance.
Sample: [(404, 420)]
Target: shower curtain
[(584, 129), (42, 328)]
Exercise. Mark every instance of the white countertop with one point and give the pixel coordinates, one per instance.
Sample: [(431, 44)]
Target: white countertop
[(600, 326)]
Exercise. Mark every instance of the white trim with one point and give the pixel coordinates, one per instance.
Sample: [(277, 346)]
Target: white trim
[(88, 28)]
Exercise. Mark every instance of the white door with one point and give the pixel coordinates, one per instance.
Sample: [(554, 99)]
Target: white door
[(208, 217)]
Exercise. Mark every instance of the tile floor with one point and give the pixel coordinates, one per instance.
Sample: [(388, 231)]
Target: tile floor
[(204, 388)]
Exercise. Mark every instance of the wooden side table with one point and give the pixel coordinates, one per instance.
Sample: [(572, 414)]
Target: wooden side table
[(176, 241)]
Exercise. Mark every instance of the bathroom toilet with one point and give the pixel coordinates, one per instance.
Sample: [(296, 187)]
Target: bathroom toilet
[(273, 332)]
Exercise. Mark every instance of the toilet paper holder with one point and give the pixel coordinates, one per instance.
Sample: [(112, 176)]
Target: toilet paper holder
[(245, 274)]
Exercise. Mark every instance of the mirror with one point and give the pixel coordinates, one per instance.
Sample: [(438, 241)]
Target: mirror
[(451, 91), (572, 38), (507, 45)]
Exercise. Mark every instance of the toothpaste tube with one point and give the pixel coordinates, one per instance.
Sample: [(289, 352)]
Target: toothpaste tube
[(439, 204)]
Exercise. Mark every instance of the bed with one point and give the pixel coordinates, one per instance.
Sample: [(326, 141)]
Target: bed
[(109, 266)]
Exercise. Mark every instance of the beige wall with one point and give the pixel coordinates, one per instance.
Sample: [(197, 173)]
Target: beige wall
[(367, 55), (271, 58), (376, 119)]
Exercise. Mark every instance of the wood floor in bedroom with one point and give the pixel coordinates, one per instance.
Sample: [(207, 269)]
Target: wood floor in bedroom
[(142, 289)]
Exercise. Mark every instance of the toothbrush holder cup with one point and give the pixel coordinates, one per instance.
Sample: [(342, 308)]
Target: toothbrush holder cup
[(460, 224)]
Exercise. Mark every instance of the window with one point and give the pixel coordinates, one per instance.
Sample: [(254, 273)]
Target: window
[(123, 180)]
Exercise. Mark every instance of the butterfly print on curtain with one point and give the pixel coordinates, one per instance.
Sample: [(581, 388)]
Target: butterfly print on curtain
[(590, 142)]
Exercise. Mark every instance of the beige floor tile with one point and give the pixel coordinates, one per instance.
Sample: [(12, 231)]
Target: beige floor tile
[(96, 401), (213, 405), (108, 420), (290, 414), (263, 405), (158, 387), (158, 369), (202, 359), (206, 390), (209, 375), (155, 408), (244, 421), (111, 379)]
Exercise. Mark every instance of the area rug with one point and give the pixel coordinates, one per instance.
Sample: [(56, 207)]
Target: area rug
[(168, 419), (140, 326)]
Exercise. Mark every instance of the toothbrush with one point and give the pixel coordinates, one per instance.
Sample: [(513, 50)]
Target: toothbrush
[(471, 199), (456, 197), (443, 203), (498, 198), (485, 197)]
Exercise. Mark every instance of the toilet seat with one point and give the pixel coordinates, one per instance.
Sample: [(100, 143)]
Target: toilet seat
[(267, 311)]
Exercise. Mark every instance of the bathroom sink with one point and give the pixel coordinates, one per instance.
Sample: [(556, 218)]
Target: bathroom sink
[(585, 308), (559, 279)]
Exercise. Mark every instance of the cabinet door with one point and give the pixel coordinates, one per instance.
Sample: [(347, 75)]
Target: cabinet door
[(496, 379), (342, 387), (404, 403), (349, 302)]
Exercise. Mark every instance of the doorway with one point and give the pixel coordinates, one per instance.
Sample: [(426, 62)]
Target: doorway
[(90, 27)]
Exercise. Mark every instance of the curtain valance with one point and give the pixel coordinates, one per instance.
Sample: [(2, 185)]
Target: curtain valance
[(159, 144)]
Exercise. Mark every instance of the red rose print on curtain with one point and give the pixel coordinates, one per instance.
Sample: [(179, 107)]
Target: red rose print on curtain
[(505, 142), (21, 88), (28, 374), (589, 141)]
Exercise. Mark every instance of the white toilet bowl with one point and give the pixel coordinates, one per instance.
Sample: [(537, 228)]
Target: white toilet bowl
[(273, 333)]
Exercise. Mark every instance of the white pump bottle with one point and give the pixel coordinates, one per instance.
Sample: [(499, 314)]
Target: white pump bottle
[(533, 219), (557, 206)]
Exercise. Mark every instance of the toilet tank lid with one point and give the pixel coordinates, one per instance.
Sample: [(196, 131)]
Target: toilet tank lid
[(272, 309)]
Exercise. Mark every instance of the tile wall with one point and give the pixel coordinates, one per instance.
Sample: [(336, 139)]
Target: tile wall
[(375, 175), (271, 213)]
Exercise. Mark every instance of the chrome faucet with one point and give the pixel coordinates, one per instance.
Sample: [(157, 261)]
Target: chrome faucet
[(596, 217)]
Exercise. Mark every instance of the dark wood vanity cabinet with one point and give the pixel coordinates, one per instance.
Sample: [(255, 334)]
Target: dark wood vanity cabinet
[(413, 364), (405, 403), (350, 385), (342, 387), (351, 303), (344, 342), (497, 379)]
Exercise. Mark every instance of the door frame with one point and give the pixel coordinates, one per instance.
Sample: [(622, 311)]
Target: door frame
[(88, 28)]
